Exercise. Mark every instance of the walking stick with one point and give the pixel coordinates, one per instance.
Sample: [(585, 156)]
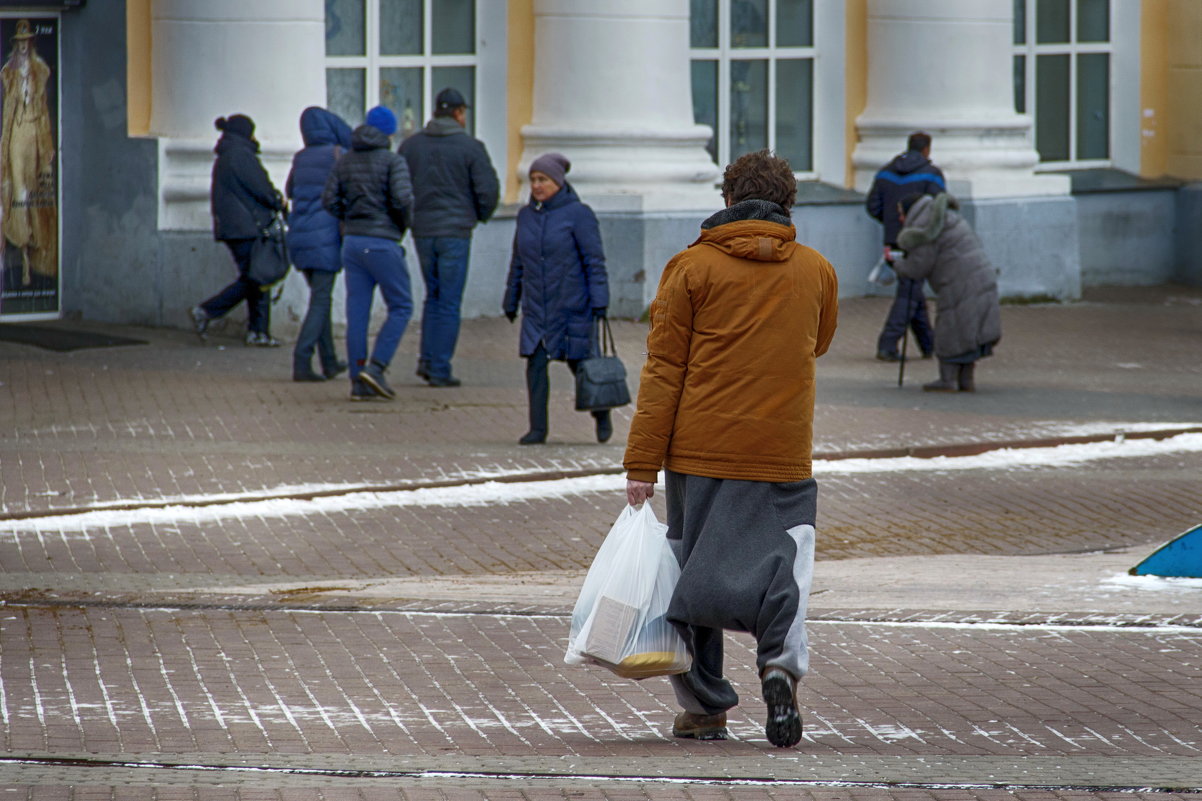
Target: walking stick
[(901, 363)]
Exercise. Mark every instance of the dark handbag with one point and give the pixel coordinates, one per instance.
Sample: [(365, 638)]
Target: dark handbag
[(601, 378), (269, 255)]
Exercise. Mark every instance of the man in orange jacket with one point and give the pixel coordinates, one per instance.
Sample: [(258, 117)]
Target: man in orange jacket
[(726, 408)]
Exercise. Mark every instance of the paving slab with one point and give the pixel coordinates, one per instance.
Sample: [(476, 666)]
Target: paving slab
[(281, 594)]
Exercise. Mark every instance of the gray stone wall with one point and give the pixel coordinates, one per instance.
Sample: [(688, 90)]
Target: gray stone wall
[(1126, 238), (1188, 261), (1033, 244)]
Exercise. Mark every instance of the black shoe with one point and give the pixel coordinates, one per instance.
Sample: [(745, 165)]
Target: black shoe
[(339, 369), (886, 356), (373, 376), (533, 438), (423, 370), (306, 375), (361, 391), (438, 381), (200, 321), (784, 720), (605, 428)]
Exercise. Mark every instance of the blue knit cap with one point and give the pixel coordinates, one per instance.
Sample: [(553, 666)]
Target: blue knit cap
[(382, 117)]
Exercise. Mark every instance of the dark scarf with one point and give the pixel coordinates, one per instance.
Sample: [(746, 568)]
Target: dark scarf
[(750, 210)]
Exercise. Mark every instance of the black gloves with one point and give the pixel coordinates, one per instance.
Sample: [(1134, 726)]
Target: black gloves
[(599, 312), (511, 315)]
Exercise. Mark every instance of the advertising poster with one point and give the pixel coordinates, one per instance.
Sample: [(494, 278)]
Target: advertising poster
[(29, 168)]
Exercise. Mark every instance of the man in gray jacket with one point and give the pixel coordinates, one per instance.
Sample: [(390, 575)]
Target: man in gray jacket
[(455, 187)]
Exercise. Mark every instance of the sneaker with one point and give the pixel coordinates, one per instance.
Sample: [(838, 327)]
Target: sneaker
[(361, 391), (886, 356), (338, 369), (423, 369), (373, 376), (700, 727), (200, 321), (306, 374), (261, 340), (784, 720), (441, 381)]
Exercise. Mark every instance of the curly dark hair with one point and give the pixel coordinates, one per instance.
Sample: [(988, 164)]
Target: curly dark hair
[(760, 176)]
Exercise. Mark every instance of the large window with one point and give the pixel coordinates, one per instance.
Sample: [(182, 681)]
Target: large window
[(753, 73), (1063, 76), (400, 54)]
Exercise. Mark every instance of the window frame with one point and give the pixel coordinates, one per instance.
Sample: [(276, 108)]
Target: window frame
[(826, 54), (488, 107), (1123, 93)]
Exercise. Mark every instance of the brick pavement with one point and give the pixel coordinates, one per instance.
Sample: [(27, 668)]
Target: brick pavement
[(177, 419), (155, 638)]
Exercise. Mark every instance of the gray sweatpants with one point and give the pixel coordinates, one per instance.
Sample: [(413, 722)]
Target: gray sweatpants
[(746, 553)]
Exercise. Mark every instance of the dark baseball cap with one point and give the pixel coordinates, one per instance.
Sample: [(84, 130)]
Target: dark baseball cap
[(449, 98)]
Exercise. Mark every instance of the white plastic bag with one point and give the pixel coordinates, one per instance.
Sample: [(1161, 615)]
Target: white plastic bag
[(882, 273), (619, 620)]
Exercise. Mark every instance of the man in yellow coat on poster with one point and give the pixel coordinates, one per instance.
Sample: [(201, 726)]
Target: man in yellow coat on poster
[(27, 192)]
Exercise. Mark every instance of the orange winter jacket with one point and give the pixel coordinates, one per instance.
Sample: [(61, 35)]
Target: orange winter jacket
[(728, 387)]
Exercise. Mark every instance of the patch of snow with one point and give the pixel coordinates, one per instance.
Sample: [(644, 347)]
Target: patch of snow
[(1155, 583), (1018, 458)]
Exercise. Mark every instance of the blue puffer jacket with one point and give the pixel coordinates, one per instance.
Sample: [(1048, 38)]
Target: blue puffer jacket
[(314, 240), (558, 274), (908, 173)]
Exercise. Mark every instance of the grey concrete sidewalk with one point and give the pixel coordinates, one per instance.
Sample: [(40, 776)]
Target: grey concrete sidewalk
[(973, 633)]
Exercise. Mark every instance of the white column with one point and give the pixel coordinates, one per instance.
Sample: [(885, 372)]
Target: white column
[(612, 92), (946, 67), (214, 58)]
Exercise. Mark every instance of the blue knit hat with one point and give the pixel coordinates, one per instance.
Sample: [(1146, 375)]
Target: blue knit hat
[(381, 117)]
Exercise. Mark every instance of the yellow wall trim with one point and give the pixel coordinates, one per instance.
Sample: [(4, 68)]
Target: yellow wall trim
[(138, 66), (521, 89)]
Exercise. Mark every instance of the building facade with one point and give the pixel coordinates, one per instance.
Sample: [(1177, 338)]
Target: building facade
[(1068, 128)]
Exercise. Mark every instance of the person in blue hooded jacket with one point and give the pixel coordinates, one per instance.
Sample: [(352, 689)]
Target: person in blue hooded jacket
[(315, 238), (557, 274)]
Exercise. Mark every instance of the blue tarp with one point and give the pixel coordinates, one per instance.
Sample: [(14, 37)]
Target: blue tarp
[(1178, 558)]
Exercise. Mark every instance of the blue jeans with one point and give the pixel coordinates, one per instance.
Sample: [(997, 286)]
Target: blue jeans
[(316, 331), (372, 261), (444, 269), (258, 304), (909, 309)]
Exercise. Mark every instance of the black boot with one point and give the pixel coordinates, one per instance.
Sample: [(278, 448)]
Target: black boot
[(966, 377), (605, 425), (949, 375)]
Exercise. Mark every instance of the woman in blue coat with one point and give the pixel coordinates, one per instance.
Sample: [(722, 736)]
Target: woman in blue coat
[(314, 238), (558, 275)]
